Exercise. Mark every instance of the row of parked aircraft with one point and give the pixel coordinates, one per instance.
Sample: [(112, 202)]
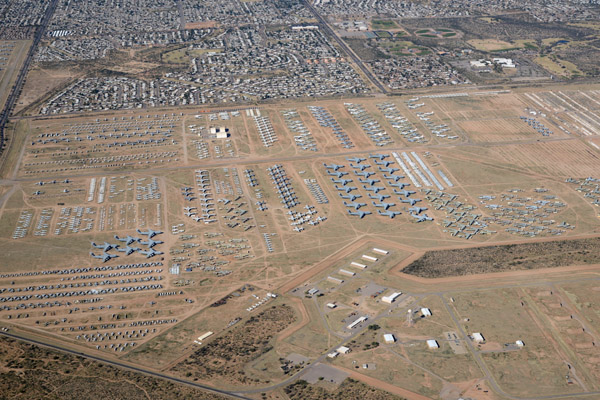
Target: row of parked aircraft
[(362, 169), (128, 249)]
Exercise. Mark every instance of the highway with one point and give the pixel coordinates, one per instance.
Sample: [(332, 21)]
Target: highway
[(325, 26), (18, 86)]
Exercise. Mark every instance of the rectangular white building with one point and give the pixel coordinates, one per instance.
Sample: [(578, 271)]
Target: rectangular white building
[(432, 344), (358, 321), (391, 298), (369, 258), (389, 338), (426, 312), (204, 336), (343, 350), (358, 265), (478, 337), (380, 251)]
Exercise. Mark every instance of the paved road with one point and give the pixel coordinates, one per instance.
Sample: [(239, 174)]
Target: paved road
[(18, 86)]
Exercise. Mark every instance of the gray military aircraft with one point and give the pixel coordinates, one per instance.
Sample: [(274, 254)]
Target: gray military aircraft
[(417, 210), (129, 250), (128, 240), (104, 256), (421, 218), (151, 253), (334, 167), (151, 243), (384, 205), (380, 197), (355, 205), (356, 159), (360, 214), (412, 202), (150, 233), (106, 246), (390, 214), (405, 193), (379, 156), (350, 197)]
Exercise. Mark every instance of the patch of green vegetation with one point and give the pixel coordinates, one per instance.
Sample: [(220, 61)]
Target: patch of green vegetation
[(429, 36), (383, 24), (450, 34), (422, 31), (530, 46), (383, 34)]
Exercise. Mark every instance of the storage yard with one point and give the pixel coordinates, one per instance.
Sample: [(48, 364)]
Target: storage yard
[(251, 247)]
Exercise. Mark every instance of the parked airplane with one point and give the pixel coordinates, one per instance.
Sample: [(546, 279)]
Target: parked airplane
[(400, 185), (375, 189), (366, 174), (356, 159), (390, 214), (412, 202), (338, 174), (128, 250), (104, 256), (384, 163), (350, 197), (360, 214), (344, 182), (362, 167), (379, 156), (189, 214), (334, 167), (394, 178), (417, 210), (151, 253), (355, 205), (371, 182), (188, 209), (421, 218), (346, 189), (380, 197), (151, 243), (384, 205), (388, 170), (453, 232), (128, 240), (405, 193), (106, 246), (150, 233)]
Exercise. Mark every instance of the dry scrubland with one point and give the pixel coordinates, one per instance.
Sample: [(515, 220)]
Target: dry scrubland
[(349, 389), (226, 356), (31, 372), (512, 257)]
